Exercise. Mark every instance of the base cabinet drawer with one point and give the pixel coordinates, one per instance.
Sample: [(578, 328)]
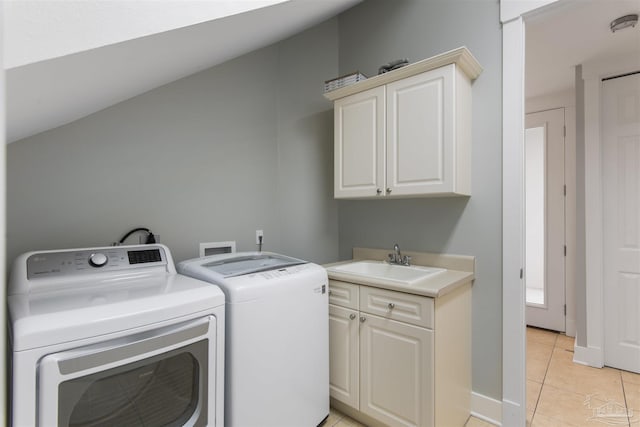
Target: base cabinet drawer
[(414, 309), (344, 294)]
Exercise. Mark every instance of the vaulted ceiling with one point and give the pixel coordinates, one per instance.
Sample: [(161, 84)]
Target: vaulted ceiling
[(66, 59)]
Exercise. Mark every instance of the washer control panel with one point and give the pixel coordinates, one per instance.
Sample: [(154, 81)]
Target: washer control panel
[(74, 262), (280, 272)]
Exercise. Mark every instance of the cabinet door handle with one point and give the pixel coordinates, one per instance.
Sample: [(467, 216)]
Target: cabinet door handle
[(388, 190), (362, 319), (391, 306), (378, 191), (352, 316)]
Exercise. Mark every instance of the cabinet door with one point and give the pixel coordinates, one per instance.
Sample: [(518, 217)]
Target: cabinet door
[(344, 355), (396, 372), (420, 133), (359, 158)]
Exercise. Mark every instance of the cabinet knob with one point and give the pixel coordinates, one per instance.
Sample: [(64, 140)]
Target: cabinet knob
[(388, 190), (352, 316), (391, 305), (362, 319), (378, 191)]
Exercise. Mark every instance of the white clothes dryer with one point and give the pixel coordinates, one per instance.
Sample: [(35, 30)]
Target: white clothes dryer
[(277, 337), (113, 336)]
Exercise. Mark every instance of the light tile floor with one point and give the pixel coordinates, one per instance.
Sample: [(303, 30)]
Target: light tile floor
[(561, 393), (338, 419)]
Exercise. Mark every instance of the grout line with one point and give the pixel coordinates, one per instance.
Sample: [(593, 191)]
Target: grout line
[(624, 395), (535, 408), (544, 377)]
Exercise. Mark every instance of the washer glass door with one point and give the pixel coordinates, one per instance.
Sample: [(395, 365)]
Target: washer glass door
[(157, 378)]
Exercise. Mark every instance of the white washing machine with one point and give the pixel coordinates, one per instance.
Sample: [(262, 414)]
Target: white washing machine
[(277, 337), (113, 336)]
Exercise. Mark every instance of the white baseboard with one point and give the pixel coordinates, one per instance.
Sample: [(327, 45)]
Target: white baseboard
[(486, 408), (590, 356)]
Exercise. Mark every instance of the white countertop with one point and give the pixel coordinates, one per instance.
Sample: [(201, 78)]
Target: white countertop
[(432, 286)]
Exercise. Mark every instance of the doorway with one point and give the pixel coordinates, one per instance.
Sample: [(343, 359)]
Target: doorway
[(545, 244), (585, 38)]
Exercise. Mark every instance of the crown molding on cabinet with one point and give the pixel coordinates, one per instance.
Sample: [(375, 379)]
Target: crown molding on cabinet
[(460, 56)]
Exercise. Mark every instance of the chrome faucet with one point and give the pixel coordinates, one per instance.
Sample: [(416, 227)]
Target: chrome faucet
[(397, 258), (396, 252)]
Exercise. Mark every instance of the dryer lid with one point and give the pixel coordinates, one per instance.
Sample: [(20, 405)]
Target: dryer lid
[(251, 263)]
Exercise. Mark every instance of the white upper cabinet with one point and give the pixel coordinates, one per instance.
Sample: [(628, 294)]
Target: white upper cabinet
[(359, 138), (406, 133)]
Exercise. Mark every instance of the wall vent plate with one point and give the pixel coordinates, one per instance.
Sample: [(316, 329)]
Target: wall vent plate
[(215, 248)]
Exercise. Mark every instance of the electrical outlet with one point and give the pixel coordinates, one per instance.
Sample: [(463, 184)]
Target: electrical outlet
[(259, 234)]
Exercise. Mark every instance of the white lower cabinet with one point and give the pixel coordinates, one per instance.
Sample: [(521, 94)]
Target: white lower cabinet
[(344, 353), (383, 358), (396, 372)]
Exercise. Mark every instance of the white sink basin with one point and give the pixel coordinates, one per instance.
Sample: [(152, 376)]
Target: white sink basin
[(384, 271)]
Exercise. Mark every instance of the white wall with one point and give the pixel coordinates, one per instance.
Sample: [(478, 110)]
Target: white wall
[(197, 160)]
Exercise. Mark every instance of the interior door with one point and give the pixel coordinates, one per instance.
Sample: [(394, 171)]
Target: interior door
[(621, 188), (545, 219)]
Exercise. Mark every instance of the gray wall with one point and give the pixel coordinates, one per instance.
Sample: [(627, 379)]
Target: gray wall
[(308, 214), (248, 145), (378, 31), (210, 157)]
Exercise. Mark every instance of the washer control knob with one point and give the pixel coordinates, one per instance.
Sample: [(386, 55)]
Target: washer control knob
[(98, 259)]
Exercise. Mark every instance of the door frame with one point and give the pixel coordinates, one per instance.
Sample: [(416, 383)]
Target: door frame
[(512, 16), (512, 13)]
